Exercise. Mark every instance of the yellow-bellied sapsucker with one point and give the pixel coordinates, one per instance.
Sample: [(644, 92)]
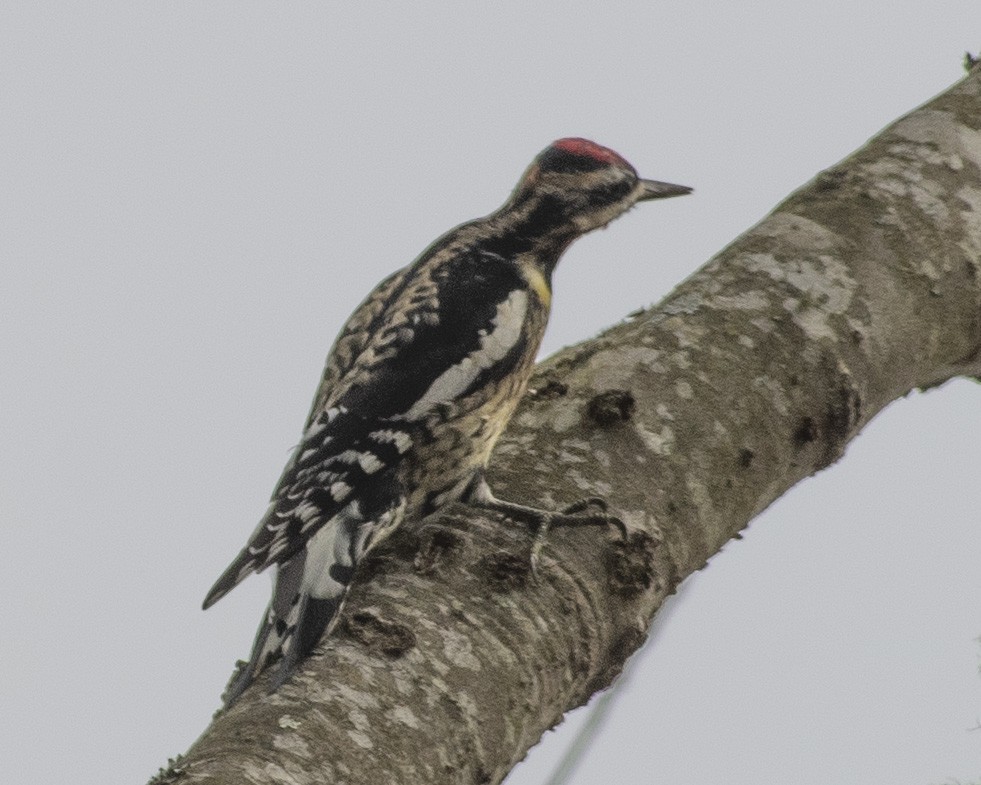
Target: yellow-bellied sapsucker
[(416, 390)]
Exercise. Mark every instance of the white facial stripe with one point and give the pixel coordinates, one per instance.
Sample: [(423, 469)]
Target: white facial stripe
[(506, 331)]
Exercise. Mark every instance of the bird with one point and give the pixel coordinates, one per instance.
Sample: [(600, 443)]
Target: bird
[(416, 389)]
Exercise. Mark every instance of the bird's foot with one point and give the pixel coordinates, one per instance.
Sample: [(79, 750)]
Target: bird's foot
[(542, 521)]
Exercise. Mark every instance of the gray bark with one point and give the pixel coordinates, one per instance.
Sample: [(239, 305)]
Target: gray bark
[(690, 418)]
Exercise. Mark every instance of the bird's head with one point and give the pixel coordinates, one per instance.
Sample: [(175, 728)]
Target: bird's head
[(580, 186)]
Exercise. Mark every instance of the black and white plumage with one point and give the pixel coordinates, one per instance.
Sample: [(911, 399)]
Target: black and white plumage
[(417, 388)]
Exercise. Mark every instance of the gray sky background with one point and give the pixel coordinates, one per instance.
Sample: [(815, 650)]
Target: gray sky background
[(194, 197)]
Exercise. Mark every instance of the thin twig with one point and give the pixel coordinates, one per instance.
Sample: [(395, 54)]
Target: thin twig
[(600, 711)]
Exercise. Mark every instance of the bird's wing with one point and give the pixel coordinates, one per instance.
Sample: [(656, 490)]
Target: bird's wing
[(423, 338)]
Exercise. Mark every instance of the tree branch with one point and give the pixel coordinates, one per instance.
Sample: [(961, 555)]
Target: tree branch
[(690, 418)]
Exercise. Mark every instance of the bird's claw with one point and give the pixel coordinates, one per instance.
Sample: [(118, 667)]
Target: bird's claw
[(584, 504), (576, 514), (573, 515), (538, 545)]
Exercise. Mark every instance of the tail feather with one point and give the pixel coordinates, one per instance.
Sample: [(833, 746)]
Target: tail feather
[(312, 619), (247, 672), (289, 641), (308, 595), (274, 629), (294, 623)]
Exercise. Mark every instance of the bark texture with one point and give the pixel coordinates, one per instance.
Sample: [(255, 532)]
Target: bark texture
[(690, 418)]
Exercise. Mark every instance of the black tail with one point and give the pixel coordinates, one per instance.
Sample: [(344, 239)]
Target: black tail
[(293, 625)]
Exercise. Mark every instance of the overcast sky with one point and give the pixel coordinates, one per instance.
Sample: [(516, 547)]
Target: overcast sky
[(194, 196)]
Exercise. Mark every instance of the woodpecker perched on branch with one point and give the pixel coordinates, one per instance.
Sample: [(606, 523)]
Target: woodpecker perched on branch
[(417, 388)]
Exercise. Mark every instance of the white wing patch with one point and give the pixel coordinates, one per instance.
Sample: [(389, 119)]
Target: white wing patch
[(400, 439), (494, 345), (340, 490), (368, 461)]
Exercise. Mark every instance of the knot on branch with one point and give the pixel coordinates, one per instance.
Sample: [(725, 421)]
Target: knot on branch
[(391, 639), (611, 407)]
